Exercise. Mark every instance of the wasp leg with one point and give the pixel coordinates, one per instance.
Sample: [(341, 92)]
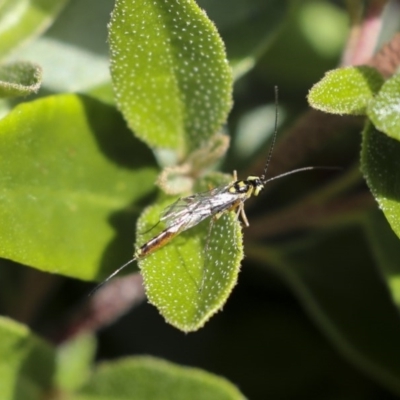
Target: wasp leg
[(243, 215)]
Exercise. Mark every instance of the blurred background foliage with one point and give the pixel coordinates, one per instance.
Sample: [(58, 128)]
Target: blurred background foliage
[(312, 315)]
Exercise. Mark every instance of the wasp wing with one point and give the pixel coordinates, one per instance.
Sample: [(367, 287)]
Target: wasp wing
[(189, 211)]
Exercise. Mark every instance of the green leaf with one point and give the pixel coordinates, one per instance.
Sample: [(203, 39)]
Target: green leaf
[(74, 361), (385, 246), (27, 363), (21, 20), (380, 162), (74, 52), (346, 297), (147, 378), (346, 90), (69, 169), (384, 109), (19, 79), (190, 279), (103, 93), (169, 70)]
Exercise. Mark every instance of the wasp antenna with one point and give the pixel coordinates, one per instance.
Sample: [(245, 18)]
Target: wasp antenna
[(295, 171), (111, 276), (271, 149)]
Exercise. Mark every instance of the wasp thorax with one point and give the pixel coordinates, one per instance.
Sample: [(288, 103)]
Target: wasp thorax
[(240, 187)]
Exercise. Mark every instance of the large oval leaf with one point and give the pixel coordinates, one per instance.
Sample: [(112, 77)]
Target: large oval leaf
[(190, 279), (169, 70), (68, 166)]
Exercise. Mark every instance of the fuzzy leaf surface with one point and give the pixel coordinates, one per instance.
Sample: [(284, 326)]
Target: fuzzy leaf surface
[(346, 90), (384, 110), (190, 279), (169, 70), (19, 79)]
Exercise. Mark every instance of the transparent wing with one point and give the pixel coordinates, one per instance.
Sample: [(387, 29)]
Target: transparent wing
[(190, 211), (190, 201)]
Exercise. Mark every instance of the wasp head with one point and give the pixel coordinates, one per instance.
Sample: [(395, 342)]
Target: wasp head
[(256, 183)]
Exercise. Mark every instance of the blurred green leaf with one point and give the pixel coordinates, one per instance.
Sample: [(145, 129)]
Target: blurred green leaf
[(384, 109), (346, 297), (247, 29), (27, 363), (69, 165), (302, 52), (147, 378), (103, 93), (21, 20), (191, 278), (74, 361), (385, 246), (325, 25), (346, 90), (170, 74), (19, 79), (380, 161), (73, 52)]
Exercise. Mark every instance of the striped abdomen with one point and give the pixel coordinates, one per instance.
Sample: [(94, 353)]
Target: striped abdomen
[(156, 243)]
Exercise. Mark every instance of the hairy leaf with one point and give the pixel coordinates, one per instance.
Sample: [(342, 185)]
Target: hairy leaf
[(19, 79), (384, 110), (346, 90), (190, 278), (169, 70)]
